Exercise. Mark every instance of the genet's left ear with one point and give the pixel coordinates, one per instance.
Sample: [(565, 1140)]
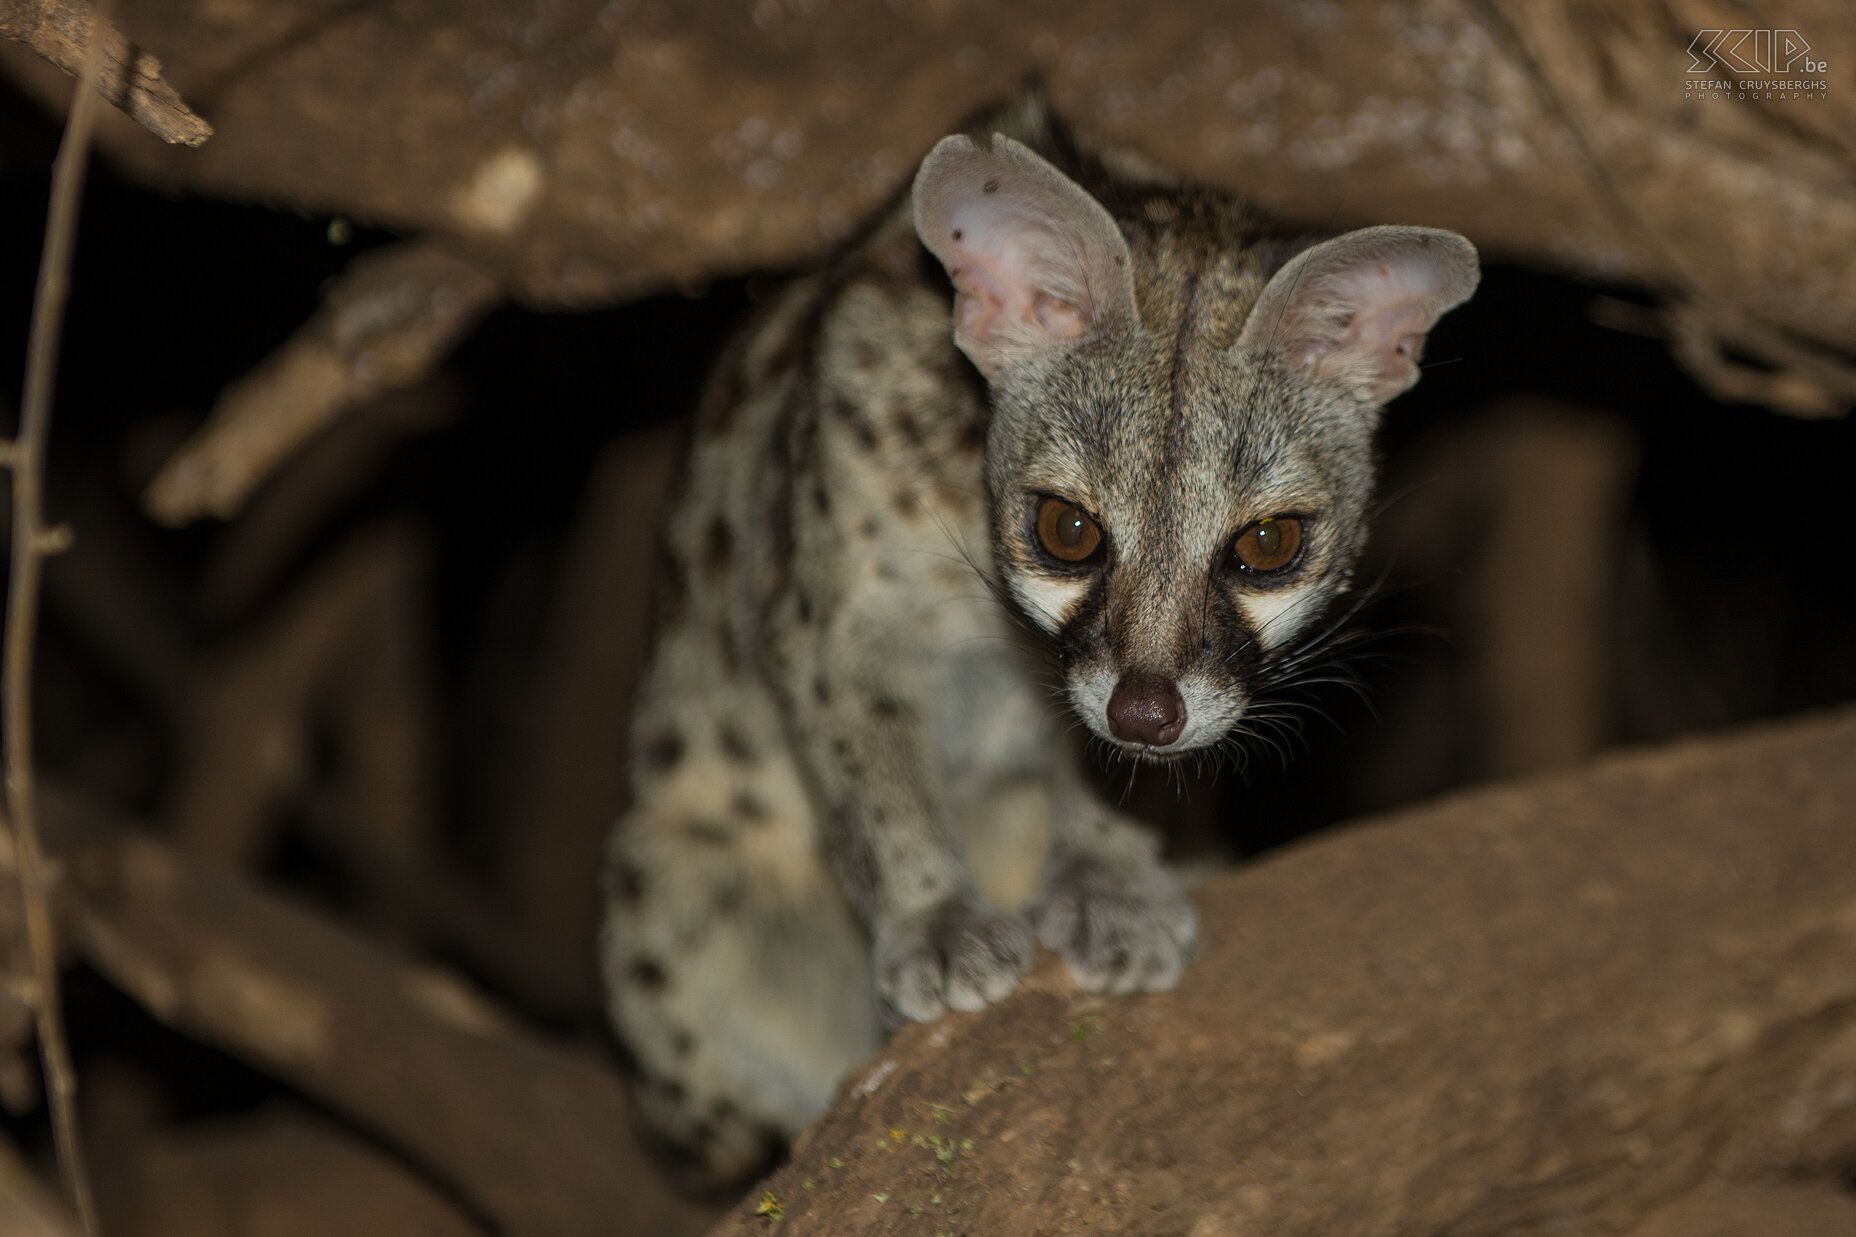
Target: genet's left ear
[(1353, 312)]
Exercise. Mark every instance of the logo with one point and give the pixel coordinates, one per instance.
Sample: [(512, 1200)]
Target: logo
[(1754, 64), (1751, 51)]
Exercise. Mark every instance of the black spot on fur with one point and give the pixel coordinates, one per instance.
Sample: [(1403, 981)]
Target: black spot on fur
[(750, 806), (872, 526), (727, 895), (907, 504), (718, 546), (821, 498), (709, 832), (802, 606), (778, 539), (625, 882), (858, 423), (725, 648), (789, 448), (664, 751), (887, 706), (682, 1043), (648, 973), (909, 428), (821, 689), (735, 745), (673, 587), (856, 861)]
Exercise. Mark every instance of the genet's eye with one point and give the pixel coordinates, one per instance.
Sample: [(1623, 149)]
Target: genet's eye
[(1270, 544), (1066, 531)]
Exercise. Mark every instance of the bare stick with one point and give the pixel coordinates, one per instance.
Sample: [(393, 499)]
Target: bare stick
[(387, 321), (130, 78), (32, 541)]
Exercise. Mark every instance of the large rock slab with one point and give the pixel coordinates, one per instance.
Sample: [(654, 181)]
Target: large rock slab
[(592, 149), (1573, 1005)]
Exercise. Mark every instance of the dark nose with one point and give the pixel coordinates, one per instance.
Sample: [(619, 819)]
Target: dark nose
[(1146, 708)]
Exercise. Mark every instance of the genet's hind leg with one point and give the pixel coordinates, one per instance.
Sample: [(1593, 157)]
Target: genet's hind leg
[(735, 971)]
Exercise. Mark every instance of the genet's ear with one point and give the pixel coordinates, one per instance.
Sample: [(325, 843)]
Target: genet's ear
[(1353, 312), (1036, 262)]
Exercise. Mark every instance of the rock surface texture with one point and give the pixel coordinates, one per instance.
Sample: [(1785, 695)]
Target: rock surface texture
[(589, 150), (1619, 1001)]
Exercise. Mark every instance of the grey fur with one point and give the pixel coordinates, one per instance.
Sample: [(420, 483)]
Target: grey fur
[(846, 742)]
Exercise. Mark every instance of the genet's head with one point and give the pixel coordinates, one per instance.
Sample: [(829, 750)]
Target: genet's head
[(1180, 455)]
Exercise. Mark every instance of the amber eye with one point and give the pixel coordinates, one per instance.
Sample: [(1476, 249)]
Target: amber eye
[(1268, 545), (1066, 531)]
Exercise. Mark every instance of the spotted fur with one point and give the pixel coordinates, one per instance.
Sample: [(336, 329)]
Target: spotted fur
[(858, 794)]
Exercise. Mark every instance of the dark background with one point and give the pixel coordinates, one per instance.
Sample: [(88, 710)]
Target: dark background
[(1726, 574)]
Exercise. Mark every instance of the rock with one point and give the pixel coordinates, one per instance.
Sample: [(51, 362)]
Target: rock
[(1580, 1004), (590, 150)]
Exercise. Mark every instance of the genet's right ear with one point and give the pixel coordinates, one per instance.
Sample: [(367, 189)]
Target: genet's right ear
[(1036, 262)]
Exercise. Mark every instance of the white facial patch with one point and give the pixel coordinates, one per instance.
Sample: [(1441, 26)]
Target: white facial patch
[(1210, 712), (1089, 693), (1278, 615), (1048, 601)]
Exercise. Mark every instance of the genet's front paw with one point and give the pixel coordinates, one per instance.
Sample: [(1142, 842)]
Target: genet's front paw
[(957, 954), (1119, 931)]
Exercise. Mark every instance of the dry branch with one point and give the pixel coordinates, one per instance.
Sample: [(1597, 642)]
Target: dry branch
[(129, 77), (346, 654), (249, 710), (391, 316), (32, 541), (113, 588), (309, 492), (21, 1089), (276, 1173), (535, 1137)]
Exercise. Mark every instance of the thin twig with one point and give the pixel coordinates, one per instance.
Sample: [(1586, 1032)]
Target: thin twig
[(32, 542)]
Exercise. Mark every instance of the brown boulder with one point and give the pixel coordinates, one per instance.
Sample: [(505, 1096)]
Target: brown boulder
[(1611, 998)]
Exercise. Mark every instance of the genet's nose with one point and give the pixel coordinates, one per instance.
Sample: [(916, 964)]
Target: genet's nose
[(1146, 708)]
